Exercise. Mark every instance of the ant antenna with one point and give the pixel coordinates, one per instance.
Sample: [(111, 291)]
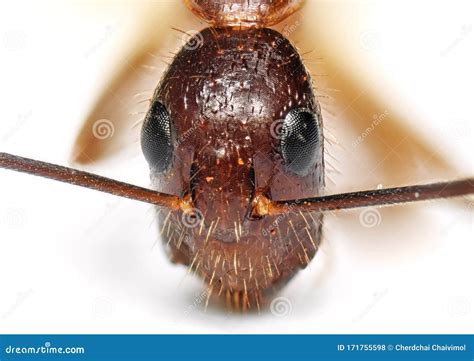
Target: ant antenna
[(379, 197), (88, 180), (262, 206)]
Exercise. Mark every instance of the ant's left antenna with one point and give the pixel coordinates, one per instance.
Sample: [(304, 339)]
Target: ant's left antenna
[(88, 180)]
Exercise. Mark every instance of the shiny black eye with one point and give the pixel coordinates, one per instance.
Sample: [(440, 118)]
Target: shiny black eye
[(156, 142), (299, 140)]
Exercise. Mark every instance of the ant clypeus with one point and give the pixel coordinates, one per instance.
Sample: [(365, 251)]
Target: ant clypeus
[(234, 141)]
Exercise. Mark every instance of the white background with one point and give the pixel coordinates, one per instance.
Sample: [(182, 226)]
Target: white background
[(76, 261)]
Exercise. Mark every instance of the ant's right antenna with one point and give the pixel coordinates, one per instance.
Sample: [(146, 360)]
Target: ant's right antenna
[(378, 197)]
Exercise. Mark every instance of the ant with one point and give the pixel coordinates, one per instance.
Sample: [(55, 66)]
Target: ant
[(234, 143)]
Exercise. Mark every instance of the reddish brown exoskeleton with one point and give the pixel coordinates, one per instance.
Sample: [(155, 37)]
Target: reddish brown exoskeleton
[(234, 140)]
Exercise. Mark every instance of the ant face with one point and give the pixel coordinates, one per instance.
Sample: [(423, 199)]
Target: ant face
[(224, 127)]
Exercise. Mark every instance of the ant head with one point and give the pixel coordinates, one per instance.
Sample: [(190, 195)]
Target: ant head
[(234, 118)]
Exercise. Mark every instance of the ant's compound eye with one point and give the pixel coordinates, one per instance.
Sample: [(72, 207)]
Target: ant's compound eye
[(156, 143), (299, 140)]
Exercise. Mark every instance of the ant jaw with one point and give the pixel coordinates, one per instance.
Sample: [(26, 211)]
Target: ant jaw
[(260, 205)]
